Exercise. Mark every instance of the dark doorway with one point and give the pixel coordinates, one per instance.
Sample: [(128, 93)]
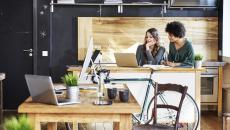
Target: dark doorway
[(16, 26)]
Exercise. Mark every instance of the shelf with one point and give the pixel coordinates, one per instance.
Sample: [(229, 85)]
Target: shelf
[(119, 5), (102, 4)]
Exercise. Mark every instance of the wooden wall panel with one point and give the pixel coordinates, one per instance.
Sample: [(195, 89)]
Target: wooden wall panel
[(84, 33), (117, 34)]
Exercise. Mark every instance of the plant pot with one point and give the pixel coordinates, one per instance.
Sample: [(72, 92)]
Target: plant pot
[(198, 64), (72, 93)]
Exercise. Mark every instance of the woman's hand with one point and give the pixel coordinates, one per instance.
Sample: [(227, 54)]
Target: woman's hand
[(149, 44), (172, 64)]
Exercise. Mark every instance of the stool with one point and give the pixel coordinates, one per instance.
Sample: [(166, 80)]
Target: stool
[(226, 121)]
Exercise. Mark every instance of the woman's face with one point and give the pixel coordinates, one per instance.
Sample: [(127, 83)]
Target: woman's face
[(172, 38), (149, 38)]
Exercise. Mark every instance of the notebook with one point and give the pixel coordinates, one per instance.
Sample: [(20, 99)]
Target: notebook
[(42, 90), (126, 59)]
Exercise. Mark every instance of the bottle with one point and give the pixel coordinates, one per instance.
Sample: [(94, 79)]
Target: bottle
[(101, 85)]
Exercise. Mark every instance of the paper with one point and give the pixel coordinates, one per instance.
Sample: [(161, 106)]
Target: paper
[(156, 67)]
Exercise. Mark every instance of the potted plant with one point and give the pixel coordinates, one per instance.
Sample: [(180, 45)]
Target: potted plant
[(20, 123), (198, 60), (71, 82)]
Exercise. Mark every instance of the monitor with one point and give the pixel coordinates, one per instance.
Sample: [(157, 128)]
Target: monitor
[(87, 60), (96, 57)]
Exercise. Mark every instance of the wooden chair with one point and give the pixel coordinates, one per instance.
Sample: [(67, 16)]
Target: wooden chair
[(159, 89)]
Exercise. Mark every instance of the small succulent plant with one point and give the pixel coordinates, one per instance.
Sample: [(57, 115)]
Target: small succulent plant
[(198, 57), (70, 80)]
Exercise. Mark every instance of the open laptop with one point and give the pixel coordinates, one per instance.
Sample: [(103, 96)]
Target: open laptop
[(126, 59), (42, 90)]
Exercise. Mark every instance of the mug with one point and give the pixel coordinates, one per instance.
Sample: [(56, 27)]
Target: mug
[(112, 93), (124, 95)]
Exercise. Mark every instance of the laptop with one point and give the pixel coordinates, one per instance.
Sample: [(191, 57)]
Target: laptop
[(41, 90), (126, 59)]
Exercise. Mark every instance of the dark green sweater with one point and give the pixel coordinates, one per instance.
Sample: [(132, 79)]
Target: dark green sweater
[(184, 55)]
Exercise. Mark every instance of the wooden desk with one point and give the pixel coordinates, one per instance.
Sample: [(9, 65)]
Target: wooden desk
[(85, 112)]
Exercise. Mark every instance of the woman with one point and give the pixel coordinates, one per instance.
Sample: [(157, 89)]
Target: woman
[(180, 49), (150, 52)]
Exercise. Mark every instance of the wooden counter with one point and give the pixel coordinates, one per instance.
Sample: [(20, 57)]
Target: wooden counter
[(161, 75), (141, 69), (185, 76), (190, 77)]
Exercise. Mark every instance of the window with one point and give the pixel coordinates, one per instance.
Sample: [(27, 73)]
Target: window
[(226, 28)]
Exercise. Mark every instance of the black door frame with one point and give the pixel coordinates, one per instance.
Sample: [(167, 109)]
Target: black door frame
[(35, 36)]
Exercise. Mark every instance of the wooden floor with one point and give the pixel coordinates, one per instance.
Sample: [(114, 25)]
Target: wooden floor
[(209, 121)]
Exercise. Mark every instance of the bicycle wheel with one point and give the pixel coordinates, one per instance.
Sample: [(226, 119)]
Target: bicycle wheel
[(190, 106), (189, 116)]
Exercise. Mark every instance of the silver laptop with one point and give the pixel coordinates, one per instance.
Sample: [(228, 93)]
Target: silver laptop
[(126, 59), (42, 90)]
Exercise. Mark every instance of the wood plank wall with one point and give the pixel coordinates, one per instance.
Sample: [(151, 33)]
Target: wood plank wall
[(122, 34)]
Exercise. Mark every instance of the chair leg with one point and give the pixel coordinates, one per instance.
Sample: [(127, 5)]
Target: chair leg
[(67, 126)]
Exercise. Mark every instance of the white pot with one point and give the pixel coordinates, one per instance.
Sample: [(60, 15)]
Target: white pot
[(198, 64), (72, 93)]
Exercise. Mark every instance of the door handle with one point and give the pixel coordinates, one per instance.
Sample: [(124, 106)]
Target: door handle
[(29, 50)]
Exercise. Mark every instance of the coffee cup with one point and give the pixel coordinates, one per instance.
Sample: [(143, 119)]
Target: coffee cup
[(124, 95), (112, 93)]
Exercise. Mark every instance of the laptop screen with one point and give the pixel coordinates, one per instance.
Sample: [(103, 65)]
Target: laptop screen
[(126, 59), (41, 89)]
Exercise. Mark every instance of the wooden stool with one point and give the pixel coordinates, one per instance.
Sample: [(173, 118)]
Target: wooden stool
[(226, 121)]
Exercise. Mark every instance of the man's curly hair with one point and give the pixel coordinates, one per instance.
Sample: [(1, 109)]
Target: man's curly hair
[(176, 28)]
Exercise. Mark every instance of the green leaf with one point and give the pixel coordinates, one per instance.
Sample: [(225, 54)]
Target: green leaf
[(70, 79), (198, 57), (22, 123)]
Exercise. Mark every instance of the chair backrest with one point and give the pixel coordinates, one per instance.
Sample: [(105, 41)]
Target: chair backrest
[(159, 89)]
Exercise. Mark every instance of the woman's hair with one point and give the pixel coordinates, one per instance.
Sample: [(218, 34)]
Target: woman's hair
[(155, 35), (176, 28)]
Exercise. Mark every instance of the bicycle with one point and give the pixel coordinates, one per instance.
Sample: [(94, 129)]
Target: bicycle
[(189, 106)]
